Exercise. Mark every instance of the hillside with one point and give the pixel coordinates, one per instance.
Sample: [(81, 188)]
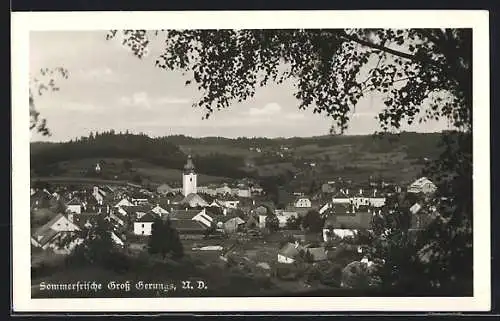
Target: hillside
[(303, 160)]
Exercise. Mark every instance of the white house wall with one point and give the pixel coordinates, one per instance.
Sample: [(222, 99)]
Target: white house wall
[(284, 259), (142, 228)]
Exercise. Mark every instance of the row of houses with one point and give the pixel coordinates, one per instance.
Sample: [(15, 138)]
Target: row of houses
[(240, 190)]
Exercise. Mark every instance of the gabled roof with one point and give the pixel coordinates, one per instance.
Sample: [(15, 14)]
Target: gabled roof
[(340, 209), (267, 204), (131, 210), (147, 217), (290, 250), (317, 253), (164, 186), (45, 233), (193, 198), (358, 221), (237, 220), (183, 226), (74, 201), (183, 214), (82, 219)]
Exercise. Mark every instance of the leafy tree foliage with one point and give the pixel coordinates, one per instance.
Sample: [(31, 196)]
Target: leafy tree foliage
[(158, 151), (357, 275), (97, 246), (313, 221), (293, 223), (164, 239), (43, 82), (272, 223), (423, 73)]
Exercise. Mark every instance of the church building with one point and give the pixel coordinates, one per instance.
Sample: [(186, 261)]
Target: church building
[(189, 178)]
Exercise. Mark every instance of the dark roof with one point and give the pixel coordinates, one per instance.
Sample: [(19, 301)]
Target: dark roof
[(134, 209), (318, 253), (186, 226), (358, 221), (45, 233), (147, 217), (342, 208), (363, 208), (184, 214), (81, 219)]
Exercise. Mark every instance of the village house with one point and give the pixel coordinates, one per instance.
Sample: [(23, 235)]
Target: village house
[(58, 234), (208, 190), (194, 200), (74, 206), (138, 198), (40, 199), (303, 202), (123, 202), (189, 229), (118, 218), (233, 224), (158, 210), (224, 189), (144, 222), (228, 202), (317, 254), (341, 197), (347, 224), (422, 185), (164, 189), (99, 195), (200, 216), (371, 198), (289, 253), (244, 192)]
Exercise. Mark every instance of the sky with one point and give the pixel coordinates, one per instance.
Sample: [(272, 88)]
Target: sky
[(109, 88)]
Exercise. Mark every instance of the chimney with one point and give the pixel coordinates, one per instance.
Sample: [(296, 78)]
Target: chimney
[(360, 191)]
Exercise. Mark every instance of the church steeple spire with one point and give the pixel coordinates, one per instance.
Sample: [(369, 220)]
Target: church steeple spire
[(189, 167), (189, 178)]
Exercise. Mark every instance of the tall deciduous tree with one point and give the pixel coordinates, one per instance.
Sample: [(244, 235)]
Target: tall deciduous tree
[(313, 222), (164, 239), (272, 223)]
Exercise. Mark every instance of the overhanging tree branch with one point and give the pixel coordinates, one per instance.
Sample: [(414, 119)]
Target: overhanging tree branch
[(393, 51)]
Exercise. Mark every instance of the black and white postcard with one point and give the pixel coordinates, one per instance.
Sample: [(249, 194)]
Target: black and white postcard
[(251, 161)]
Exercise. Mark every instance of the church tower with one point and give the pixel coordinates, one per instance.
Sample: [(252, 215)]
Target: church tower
[(189, 178)]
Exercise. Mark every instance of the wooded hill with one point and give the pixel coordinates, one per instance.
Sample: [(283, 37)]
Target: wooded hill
[(225, 157)]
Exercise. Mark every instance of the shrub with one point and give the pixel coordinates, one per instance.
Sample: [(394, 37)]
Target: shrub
[(331, 273), (356, 276)]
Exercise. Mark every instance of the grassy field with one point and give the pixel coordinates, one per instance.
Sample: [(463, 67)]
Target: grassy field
[(159, 174), (114, 167)]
